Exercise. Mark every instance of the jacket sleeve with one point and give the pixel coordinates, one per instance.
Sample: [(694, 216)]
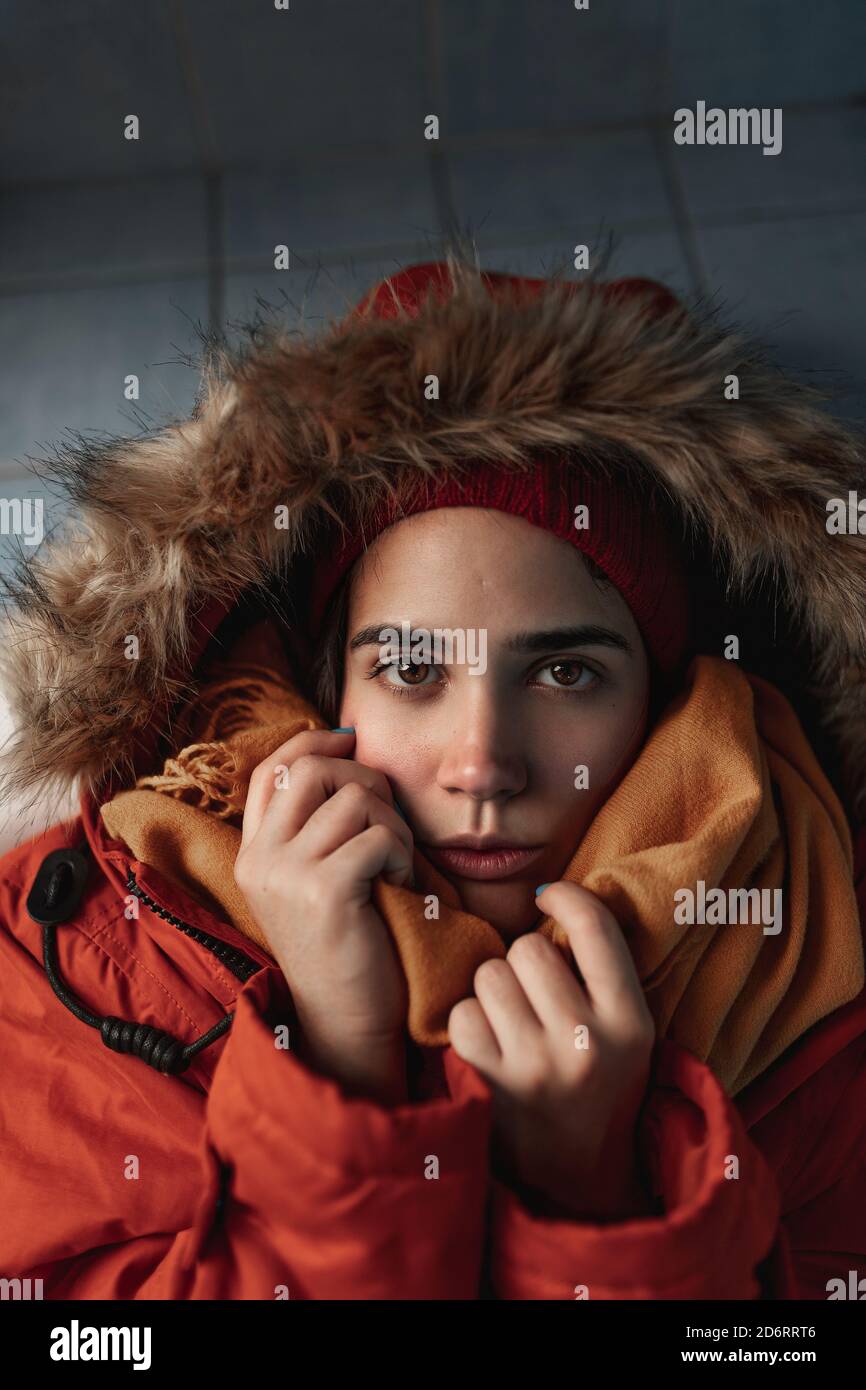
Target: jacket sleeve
[(308, 1193), (716, 1221)]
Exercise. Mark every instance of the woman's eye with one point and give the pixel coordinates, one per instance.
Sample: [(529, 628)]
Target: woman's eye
[(403, 676), (409, 673), (570, 675)]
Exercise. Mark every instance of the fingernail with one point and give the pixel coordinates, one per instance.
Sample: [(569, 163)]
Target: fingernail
[(399, 809), (541, 888), (349, 729)]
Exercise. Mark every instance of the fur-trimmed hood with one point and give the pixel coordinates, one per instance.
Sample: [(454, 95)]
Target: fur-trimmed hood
[(320, 426)]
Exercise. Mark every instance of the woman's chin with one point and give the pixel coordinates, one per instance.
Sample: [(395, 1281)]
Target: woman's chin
[(509, 907)]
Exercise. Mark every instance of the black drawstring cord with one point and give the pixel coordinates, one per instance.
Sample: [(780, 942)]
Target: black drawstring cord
[(158, 1049), (55, 894)]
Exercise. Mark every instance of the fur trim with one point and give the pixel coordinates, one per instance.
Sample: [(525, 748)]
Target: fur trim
[(325, 425)]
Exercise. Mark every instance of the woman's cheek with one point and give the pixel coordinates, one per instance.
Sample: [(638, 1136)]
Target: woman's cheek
[(617, 745), (605, 751), (380, 752)]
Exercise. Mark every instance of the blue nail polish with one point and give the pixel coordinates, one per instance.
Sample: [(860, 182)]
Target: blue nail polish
[(541, 888), (349, 729)]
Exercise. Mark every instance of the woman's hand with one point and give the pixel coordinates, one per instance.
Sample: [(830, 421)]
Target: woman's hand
[(568, 1062), (314, 838)]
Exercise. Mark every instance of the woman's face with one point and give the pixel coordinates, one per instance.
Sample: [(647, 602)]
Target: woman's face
[(490, 742)]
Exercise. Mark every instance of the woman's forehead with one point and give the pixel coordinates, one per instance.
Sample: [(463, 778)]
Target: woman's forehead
[(505, 592), (462, 547)]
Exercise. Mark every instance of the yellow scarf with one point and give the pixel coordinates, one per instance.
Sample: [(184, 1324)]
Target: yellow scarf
[(725, 794)]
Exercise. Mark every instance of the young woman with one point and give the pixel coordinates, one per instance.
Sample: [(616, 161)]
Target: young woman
[(463, 901), (486, 757)]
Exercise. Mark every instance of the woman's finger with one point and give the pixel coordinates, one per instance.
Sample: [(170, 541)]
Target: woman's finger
[(601, 953), (550, 985), (264, 777), (473, 1039), (376, 850), (351, 809), (509, 1013), (307, 784)]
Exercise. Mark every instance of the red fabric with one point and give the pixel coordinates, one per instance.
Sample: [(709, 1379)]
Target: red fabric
[(325, 1196), (408, 288)]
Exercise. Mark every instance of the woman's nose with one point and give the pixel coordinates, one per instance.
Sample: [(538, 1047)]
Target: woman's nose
[(480, 757)]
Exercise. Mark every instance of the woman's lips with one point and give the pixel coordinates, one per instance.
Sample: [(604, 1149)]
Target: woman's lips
[(473, 863)]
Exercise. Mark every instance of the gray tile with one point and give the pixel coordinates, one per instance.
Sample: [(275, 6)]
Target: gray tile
[(330, 207), (67, 354), (585, 184), (800, 286), (149, 225), (650, 255), (820, 165), (766, 52), (279, 82), (72, 73), (307, 300), (544, 65)]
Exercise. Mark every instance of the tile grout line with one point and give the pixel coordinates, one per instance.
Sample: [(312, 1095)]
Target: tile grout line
[(210, 161), (36, 283), (672, 182), (437, 153), (375, 150)]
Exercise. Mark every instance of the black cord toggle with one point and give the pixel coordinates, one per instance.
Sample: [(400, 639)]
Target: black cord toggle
[(160, 1050)]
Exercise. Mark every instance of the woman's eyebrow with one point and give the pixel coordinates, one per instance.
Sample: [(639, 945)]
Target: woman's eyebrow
[(371, 636), (585, 635)]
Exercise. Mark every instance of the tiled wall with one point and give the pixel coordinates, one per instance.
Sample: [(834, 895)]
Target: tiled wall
[(305, 127)]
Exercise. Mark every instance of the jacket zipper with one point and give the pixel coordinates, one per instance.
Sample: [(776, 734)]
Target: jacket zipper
[(242, 966)]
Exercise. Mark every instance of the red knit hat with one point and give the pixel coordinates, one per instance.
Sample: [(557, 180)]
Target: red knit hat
[(626, 534)]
